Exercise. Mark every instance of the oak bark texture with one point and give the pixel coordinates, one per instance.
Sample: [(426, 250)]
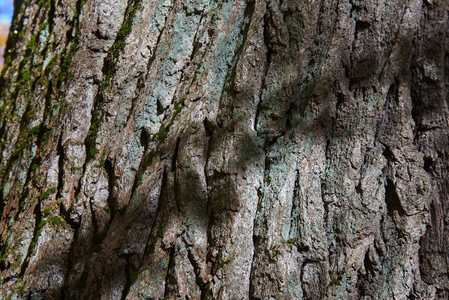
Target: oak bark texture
[(164, 149)]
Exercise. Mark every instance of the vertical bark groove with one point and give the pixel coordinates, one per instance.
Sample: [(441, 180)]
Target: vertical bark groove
[(225, 150)]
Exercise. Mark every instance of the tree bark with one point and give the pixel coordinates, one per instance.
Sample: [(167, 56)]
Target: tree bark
[(225, 150)]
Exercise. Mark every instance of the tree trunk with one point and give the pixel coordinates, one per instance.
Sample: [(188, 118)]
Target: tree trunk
[(225, 150)]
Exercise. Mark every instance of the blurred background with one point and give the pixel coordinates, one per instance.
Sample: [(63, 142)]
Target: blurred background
[(6, 10)]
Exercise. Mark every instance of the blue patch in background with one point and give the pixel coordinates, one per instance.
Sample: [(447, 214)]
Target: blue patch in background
[(6, 11)]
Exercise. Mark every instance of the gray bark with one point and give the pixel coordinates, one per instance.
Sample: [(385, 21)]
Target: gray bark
[(203, 149)]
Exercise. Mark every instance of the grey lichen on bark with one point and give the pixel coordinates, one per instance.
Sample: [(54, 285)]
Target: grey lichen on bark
[(205, 149)]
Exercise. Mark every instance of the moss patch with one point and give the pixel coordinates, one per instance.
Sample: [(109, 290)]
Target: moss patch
[(119, 45), (335, 282), (57, 221), (162, 134), (47, 193)]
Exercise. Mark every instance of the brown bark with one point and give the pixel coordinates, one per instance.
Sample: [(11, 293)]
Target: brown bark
[(225, 150)]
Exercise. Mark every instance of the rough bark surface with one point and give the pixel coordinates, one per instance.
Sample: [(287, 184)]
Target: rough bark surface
[(199, 149)]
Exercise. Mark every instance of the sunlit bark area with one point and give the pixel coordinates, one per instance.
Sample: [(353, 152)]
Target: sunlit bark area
[(200, 149)]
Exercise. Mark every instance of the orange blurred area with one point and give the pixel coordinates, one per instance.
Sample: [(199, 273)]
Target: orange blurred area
[(4, 30)]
